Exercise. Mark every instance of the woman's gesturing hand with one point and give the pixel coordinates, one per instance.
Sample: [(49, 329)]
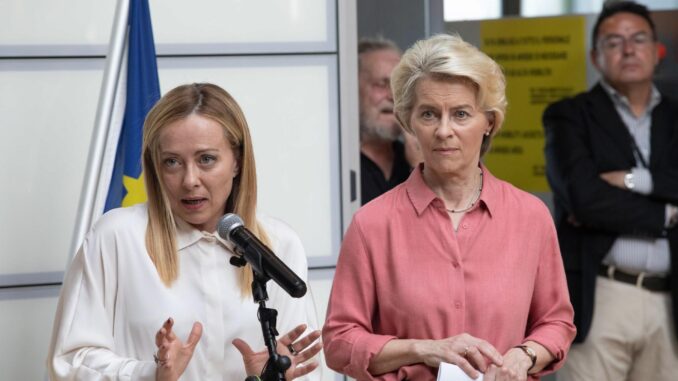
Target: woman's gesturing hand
[(299, 352), (173, 356), (469, 353)]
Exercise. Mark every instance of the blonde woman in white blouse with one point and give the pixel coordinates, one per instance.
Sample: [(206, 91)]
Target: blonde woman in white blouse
[(151, 294)]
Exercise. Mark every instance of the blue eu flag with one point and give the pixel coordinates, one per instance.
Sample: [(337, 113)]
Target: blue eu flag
[(143, 90)]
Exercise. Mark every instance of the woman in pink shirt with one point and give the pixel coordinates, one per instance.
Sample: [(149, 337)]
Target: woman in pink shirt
[(453, 265)]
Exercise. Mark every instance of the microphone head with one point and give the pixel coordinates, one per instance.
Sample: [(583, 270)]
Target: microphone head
[(226, 225)]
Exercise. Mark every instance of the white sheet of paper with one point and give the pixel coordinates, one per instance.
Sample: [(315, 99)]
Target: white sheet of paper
[(451, 372)]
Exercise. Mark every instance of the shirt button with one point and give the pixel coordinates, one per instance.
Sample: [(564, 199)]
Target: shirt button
[(455, 264), (209, 238), (457, 305), (465, 226)]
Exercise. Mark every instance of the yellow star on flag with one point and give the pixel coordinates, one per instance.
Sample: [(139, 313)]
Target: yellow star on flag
[(136, 190)]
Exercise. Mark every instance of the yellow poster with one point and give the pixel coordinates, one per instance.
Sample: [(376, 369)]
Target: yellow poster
[(544, 60)]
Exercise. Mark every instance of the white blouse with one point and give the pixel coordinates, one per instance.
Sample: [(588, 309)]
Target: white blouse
[(113, 302)]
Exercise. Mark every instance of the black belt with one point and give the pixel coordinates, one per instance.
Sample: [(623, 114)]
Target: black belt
[(651, 283)]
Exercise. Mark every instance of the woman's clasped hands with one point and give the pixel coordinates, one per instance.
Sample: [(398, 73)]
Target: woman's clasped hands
[(475, 356), (514, 368)]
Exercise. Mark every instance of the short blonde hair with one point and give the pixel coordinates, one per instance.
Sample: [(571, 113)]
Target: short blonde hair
[(212, 102), (449, 57)]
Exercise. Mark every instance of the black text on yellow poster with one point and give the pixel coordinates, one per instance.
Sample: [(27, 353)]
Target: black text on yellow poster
[(544, 60)]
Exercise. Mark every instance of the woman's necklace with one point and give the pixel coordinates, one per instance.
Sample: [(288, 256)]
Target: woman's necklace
[(473, 201)]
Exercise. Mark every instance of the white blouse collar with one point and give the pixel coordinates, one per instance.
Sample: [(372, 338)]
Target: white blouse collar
[(187, 235)]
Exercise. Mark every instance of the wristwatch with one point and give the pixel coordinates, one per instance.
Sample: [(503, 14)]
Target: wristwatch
[(530, 353), (628, 181)]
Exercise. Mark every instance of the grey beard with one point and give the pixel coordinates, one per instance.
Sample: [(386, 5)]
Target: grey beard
[(378, 133)]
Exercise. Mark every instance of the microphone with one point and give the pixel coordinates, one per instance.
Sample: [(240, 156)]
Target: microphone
[(262, 259)]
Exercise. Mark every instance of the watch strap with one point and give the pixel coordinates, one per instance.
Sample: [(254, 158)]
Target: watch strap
[(530, 353)]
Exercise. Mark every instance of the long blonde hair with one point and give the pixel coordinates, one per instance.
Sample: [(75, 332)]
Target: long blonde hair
[(209, 101)]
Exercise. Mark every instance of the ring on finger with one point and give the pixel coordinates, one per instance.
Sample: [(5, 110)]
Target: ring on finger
[(293, 351), (157, 359), (466, 350)]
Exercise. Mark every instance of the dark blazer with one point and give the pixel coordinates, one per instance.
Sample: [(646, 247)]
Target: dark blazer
[(585, 136)]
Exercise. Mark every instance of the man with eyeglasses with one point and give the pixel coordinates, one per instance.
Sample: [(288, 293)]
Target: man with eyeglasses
[(612, 163)]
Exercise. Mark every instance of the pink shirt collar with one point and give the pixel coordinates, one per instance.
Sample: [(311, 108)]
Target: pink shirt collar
[(421, 195)]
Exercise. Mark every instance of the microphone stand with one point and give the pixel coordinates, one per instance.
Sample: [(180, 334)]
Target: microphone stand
[(277, 364)]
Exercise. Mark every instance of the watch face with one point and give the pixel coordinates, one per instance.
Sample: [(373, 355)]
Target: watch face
[(531, 352)]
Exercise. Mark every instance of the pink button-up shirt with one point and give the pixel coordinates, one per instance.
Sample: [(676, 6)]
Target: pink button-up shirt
[(405, 273)]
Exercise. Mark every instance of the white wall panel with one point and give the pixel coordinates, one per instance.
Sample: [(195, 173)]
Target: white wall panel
[(232, 21), (83, 27), (47, 110), (26, 317), (63, 22), (321, 285), (289, 103)]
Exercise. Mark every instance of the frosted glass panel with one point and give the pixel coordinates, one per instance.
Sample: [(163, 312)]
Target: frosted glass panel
[(457, 10), (83, 27), (531, 8), (232, 20), (60, 22), (321, 286), (26, 317), (289, 105), (47, 110), (287, 102)]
